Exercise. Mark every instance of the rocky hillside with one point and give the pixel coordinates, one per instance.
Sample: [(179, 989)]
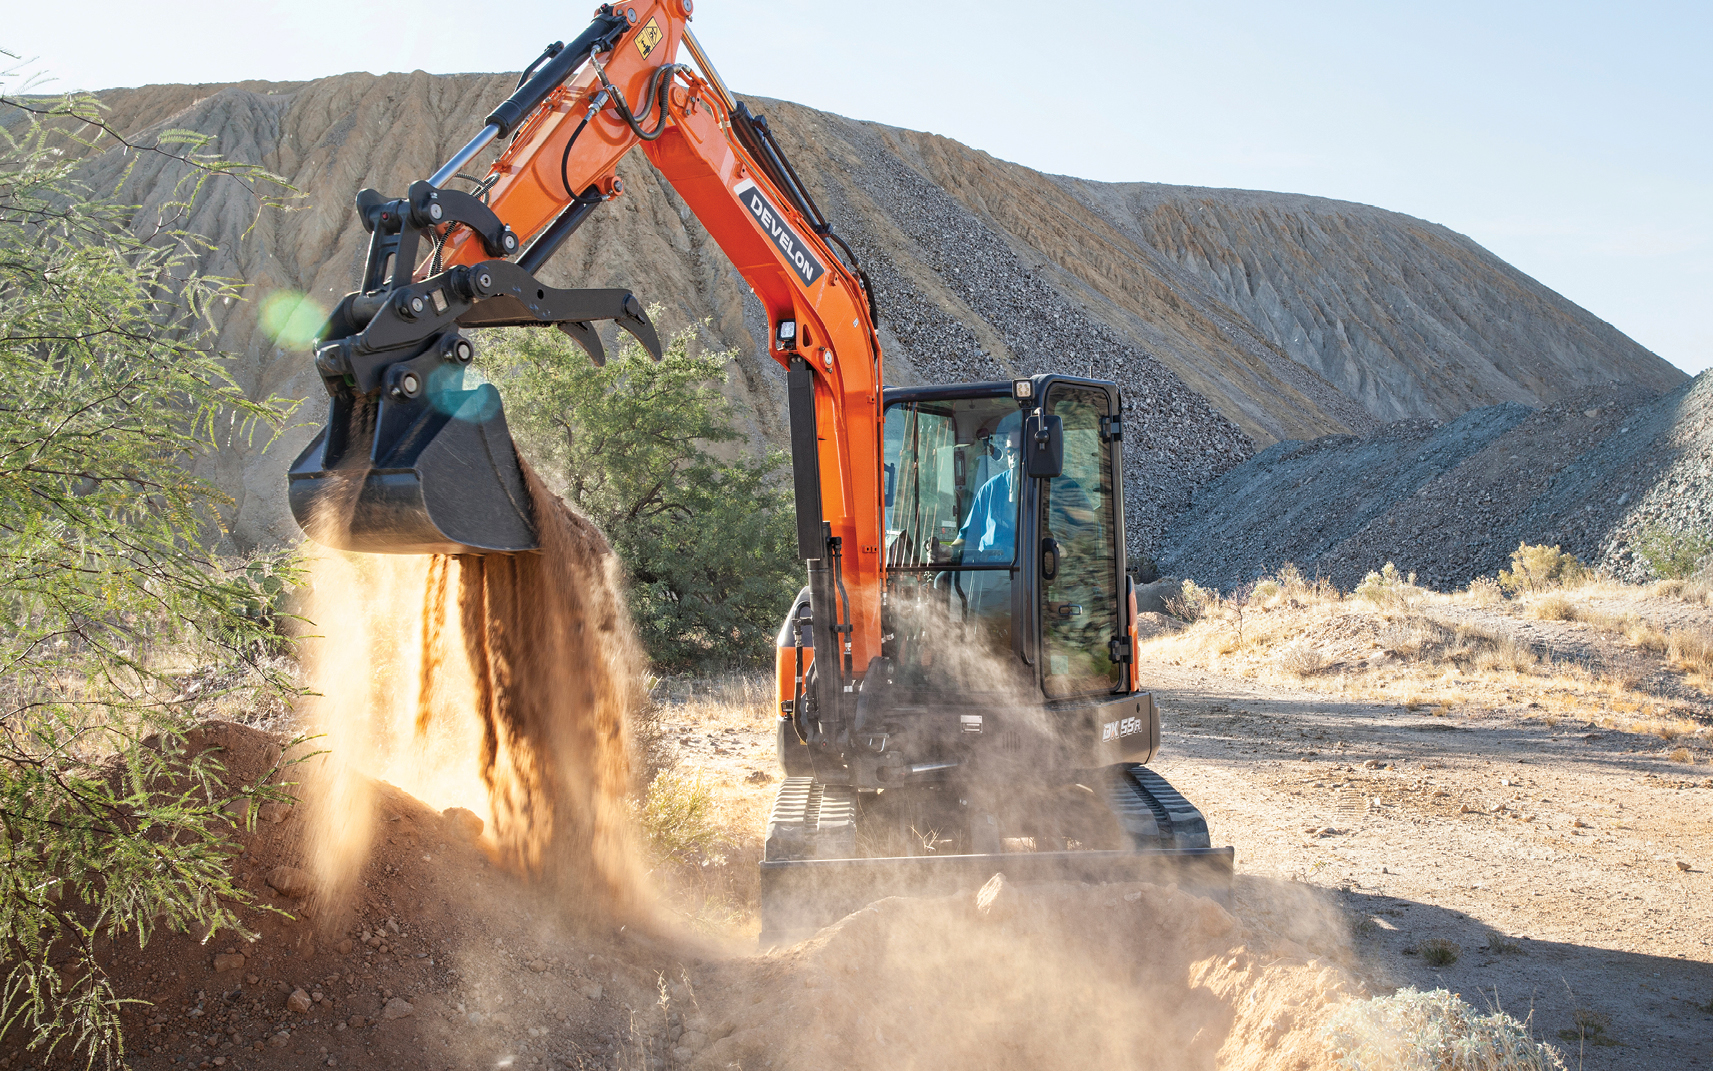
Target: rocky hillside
[(1232, 319), (1450, 501)]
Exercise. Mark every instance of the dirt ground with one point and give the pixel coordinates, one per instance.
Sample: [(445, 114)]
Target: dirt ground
[(1551, 856), (1537, 841)]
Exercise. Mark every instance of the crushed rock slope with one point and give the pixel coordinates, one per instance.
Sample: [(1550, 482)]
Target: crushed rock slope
[(1451, 500), (983, 269)]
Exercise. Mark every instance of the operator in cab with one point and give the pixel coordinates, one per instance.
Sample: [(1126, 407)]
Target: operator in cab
[(989, 534), (989, 537)]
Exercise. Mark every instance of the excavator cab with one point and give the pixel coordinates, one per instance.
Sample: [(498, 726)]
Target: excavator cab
[(995, 575), (1006, 595)]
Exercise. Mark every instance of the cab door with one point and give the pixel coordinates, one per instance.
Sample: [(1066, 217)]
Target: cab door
[(1079, 607)]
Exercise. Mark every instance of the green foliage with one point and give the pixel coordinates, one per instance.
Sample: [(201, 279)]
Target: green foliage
[(1434, 1031), (709, 543), (1673, 555), (1387, 588), (1537, 567), (107, 591), (677, 816)]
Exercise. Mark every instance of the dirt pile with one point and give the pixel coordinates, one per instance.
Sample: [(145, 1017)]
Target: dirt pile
[(1233, 319), (440, 958), (1450, 501), (1037, 977)]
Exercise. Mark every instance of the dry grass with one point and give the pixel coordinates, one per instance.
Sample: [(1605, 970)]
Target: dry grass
[(1691, 650), (1507, 654), (1554, 607), (1302, 660), (1646, 636), (1410, 1030), (1484, 591), (1591, 1027), (1697, 592), (1683, 755), (1439, 952), (1672, 729), (1624, 672), (1409, 649)]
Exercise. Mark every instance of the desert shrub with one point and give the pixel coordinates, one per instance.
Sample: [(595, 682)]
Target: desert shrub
[(1538, 567), (1193, 602), (1302, 660), (1507, 653), (1698, 592), (1288, 586), (1387, 588), (1673, 555), (1554, 607), (1433, 1031), (1647, 636), (1439, 952), (710, 544), (1485, 591), (1416, 636), (108, 584), (1590, 1028), (677, 816)]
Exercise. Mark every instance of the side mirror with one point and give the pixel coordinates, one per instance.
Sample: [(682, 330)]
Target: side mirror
[(1043, 446)]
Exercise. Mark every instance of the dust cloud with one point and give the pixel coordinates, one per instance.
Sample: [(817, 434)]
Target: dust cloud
[(1046, 977), (501, 684)]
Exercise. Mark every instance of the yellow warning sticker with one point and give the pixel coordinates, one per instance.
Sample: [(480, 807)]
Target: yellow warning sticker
[(648, 37)]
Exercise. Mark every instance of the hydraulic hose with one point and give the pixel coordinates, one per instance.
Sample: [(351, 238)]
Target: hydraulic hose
[(649, 100)]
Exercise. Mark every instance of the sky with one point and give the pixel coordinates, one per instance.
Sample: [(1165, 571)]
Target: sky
[(1574, 140)]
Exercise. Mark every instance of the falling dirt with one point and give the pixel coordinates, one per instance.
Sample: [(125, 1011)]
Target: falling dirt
[(499, 684)]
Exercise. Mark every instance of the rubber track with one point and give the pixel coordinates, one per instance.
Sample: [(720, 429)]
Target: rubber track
[(1152, 812), (811, 820)]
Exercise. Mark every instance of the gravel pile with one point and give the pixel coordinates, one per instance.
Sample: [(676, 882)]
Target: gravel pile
[(1450, 501), (1174, 440)]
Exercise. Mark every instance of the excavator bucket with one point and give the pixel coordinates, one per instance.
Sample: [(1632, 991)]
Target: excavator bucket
[(412, 460), (437, 475)]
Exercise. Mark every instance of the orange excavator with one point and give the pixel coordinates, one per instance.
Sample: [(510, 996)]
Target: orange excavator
[(958, 693)]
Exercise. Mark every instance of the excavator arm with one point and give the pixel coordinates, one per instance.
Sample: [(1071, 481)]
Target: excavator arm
[(407, 466)]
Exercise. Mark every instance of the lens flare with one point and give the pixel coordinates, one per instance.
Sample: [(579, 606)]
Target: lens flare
[(292, 318)]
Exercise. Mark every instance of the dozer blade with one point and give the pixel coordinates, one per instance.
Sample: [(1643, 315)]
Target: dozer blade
[(434, 476), (800, 896), (810, 876)]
